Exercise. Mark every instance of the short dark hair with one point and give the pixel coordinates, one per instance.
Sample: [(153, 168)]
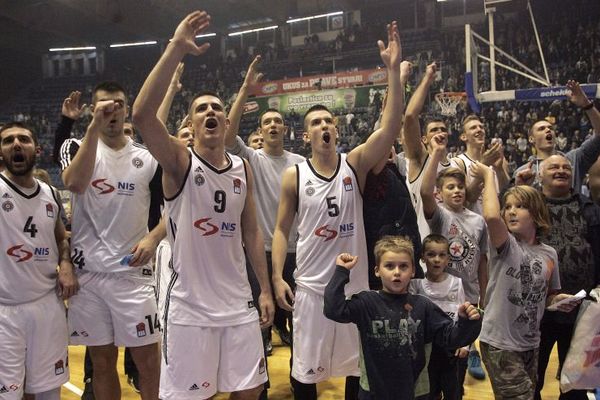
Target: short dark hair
[(266, 111), (431, 119), (108, 86), (434, 238), (22, 125), (204, 93), (316, 107), (530, 130)]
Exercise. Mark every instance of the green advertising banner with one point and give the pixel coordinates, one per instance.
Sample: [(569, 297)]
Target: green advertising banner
[(337, 100)]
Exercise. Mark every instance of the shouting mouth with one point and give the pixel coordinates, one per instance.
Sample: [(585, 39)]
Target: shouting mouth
[(211, 123), (326, 137)]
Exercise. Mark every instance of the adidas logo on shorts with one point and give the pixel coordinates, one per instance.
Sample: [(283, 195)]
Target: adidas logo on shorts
[(310, 372), (74, 334), (3, 389), (194, 387)]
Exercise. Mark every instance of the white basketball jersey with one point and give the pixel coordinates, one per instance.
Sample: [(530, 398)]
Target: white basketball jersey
[(111, 216), (330, 222), (28, 249), (415, 193), (209, 285)]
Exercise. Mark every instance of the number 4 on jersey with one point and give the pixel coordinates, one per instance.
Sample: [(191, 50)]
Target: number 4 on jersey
[(30, 227)]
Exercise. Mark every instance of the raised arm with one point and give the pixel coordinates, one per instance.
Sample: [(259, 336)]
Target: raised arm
[(578, 97), (255, 248), (438, 144), (366, 156), (491, 206), (237, 109), (174, 87), (170, 152), (285, 218), (336, 307), (405, 70), (70, 112), (78, 174), (413, 146)]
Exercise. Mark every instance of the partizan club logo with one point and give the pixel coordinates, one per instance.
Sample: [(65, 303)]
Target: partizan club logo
[(8, 206)]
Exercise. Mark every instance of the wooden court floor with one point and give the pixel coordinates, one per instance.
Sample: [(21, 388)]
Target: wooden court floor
[(279, 373)]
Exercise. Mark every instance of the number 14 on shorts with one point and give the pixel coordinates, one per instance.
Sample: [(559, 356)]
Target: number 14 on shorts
[(151, 324)]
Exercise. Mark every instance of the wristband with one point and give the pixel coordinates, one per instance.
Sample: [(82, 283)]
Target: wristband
[(588, 106)]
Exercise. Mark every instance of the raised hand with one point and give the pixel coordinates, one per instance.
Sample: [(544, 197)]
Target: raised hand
[(493, 154), (253, 77), (439, 142), (346, 260), (392, 54), (526, 175), (576, 95), (405, 70), (70, 106), (176, 79), (104, 112), (478, 171), (185, 34), (468, 311), (430, 71)]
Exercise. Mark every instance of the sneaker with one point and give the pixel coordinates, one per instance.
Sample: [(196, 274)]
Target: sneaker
[(88, 391), (269, 348), (134, 382), (474, 366)]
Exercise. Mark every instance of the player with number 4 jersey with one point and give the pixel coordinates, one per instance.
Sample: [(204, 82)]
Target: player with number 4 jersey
[(33, 326)]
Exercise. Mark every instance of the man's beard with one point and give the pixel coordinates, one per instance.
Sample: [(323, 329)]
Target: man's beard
[(29, 165)]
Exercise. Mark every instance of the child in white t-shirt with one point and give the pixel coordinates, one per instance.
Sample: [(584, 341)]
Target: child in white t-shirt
[(446, 291)]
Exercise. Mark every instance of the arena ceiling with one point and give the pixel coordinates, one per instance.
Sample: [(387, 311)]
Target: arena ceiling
[(33, 26)]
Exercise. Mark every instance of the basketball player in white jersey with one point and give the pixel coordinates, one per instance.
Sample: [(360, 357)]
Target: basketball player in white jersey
[(114, 181), (473, 135), (325, 194), (212, 341), (33, 325), (416, 147)]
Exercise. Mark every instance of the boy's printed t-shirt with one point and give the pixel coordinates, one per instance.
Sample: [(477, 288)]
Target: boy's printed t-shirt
[(467, 235), (520, 276)]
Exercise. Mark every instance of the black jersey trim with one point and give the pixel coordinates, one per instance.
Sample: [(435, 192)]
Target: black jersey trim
[(446, 165), (332, 177), (211, 167), (421, 170), (244, 161), (174, 276), (16, 189), (54, 194), (187, 173), (297, 186)]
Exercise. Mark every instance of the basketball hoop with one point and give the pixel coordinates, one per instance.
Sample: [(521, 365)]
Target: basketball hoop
[(448, 101)]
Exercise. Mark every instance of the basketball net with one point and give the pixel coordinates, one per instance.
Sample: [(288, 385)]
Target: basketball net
[(449, 101)]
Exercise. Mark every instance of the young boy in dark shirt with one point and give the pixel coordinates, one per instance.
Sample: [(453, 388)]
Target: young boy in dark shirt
[(393, 324)]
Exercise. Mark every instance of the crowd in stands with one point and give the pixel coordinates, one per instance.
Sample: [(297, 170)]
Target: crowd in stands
[(572, 51)]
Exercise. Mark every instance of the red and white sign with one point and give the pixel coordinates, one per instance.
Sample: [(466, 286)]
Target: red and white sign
[(330, 81)]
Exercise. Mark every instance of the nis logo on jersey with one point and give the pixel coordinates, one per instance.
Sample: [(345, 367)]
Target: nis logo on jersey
[(208, 227), (103, 186), (329, 232), (20, 253)]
